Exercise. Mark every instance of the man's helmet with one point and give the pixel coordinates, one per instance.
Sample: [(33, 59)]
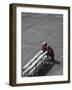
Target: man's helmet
[(44, 43), (44, 46)]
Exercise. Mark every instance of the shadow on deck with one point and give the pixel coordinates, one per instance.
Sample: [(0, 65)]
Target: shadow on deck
[(45, 68)]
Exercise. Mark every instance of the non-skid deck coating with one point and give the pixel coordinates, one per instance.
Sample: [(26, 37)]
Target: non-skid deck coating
[(37, 28)]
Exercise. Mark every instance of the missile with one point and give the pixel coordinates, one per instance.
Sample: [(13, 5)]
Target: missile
[(34, 63), (32, 60), (31, 73), (37, 61)]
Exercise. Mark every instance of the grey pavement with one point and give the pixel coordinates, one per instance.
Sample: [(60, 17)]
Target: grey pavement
[(37, 28)]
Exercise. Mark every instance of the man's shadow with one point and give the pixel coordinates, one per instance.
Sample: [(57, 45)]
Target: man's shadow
[(45, 68)]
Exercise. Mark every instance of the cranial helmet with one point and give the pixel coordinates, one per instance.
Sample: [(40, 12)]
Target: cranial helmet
[(44, 43)]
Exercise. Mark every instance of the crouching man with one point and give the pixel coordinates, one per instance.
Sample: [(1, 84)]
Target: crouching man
[(44, 47), (50, 53)]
